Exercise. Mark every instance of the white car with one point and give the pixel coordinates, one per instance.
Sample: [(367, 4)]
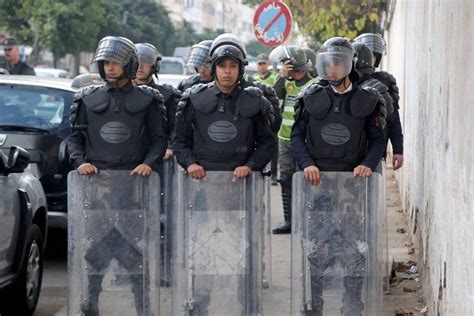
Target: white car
[(172, 66), (51, 72)]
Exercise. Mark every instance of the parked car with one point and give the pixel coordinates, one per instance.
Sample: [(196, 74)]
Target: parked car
[(34, 114), (23, 229), (51, 72), (173, 66)]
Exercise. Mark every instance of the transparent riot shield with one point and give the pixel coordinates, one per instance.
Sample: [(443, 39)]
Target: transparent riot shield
[(167, 177), (167, 173), (385, 264), (113, 244), (267, 239), (336, 245), (219, 237)]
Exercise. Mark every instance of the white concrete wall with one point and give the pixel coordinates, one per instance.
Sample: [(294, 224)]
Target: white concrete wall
[(430, 45)]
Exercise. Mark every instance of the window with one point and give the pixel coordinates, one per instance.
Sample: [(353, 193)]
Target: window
[(33, 107)]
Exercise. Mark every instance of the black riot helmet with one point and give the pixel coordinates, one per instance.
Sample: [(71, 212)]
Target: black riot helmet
[(293, 53), (118, 50), (365, 58), (231, 51), (375, 42), (310, 59), (228, 39), (199, 55), (336, 60), (149, 55)]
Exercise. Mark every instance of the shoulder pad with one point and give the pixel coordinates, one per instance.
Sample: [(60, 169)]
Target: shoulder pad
[(254, 91), (94, 98), (251, 101), (169, 91), (312, 88), (171, 88), (316, 101), (364, 101), (203, 97), (154, 93), (386, 75), (268, 90), (197, 88), (85, 91), (374, 83)]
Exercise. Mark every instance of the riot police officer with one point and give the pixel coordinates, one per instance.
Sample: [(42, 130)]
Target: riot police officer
[(247, 81), (394, 127), (149, 59), (294, 77), (116, 126), (198, 59), (222, 126), (364, 68), (338, 128)]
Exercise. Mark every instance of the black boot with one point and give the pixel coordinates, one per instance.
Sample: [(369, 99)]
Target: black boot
[(285, 226), (282, 228)]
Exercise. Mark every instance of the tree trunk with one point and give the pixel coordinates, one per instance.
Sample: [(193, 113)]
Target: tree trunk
[(77, 63), (35, 52)]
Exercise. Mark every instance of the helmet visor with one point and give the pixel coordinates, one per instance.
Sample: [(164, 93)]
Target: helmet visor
[(198, 56), (334, 63), (114, 50)]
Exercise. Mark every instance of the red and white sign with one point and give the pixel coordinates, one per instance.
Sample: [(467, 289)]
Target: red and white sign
[(272, 23)]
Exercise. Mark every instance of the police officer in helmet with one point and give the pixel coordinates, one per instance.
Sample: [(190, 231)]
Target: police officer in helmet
[(149, 60), (198, 59), (202, 142), (294, 77), (116, 126), (394, 126), (338, 128)]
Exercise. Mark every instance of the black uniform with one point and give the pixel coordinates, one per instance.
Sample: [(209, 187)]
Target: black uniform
[(394, 125), (171, 97), (117, 128), (269, 94), (190, 82), (338, 132), (20, 68), (223, 131)]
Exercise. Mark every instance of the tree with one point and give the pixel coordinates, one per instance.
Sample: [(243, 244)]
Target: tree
[(30, 22), (61, 26), (76, 25), (319, 20), (254, 48), (141, 21)]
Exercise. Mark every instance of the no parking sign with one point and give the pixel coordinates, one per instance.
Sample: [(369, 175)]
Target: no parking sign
[(272, 23)]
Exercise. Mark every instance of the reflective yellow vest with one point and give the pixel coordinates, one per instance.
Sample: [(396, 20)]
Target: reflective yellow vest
[(288, 114)]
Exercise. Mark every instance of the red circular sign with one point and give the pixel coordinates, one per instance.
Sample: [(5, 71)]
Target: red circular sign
[(272, 23)]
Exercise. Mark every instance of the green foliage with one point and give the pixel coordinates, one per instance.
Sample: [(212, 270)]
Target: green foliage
[(254, 48), (76, 23), (62, 26), (141, 21), (30, 21), (319, 20)]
